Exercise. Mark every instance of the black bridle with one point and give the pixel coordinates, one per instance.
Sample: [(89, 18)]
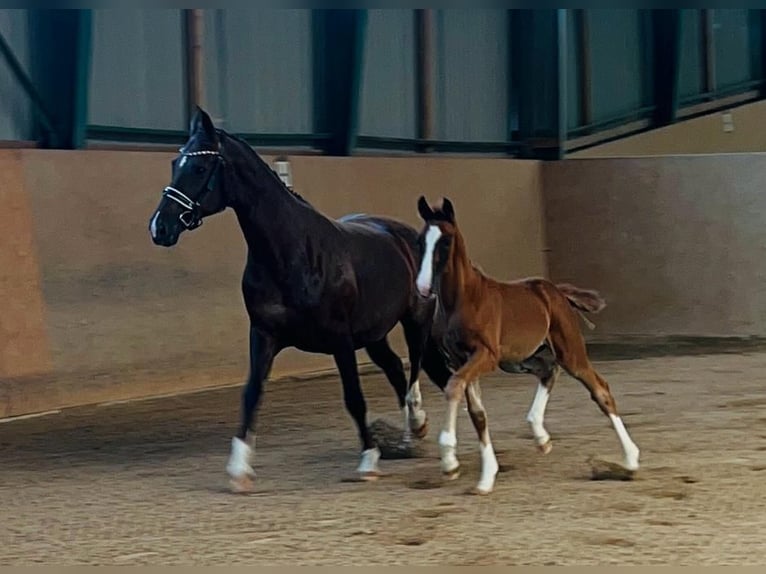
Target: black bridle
[(191, 218)]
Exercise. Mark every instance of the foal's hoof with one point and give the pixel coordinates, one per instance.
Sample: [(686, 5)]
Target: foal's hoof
[(242, 484), (479, 491), (545, 448), (453, 474), (422, 431)]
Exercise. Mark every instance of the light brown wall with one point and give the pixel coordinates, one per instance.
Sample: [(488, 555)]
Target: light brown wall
[(703, 135), (23, 338), (124, 318), (676, 244)]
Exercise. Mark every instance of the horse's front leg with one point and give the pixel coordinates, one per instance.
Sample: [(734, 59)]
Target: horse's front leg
[(262, 352), (479, 363), (345, 359)]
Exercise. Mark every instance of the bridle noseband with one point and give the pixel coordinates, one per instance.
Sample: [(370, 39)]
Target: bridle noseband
[(190, 218)]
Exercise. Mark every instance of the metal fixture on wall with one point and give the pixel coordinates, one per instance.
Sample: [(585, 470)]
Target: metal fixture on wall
[(282, 165)]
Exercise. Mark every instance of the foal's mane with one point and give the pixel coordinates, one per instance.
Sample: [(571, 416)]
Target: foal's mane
[(248, 150)]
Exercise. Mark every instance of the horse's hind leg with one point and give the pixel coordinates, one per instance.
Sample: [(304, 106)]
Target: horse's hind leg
[(547, 371), (489, 466), (571, 354), (416, 333), (384, 357)]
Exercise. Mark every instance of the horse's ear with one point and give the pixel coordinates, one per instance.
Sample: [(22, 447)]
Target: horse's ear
[(202, 125), (448, 209), (424, 209)]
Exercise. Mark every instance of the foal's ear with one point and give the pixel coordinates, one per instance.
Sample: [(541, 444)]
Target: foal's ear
[(424, 209), (448, 209), (201, 125)]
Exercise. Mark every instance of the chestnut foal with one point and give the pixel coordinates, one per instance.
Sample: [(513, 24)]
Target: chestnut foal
[(527, 326)]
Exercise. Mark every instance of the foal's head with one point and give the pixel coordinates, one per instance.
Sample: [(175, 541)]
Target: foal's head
[(436, 241), (196, 186)]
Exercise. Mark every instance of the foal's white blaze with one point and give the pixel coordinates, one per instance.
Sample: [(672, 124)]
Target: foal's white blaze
[(425, 276), (239, 459), (153, 225), (629, 448), (536, 415)]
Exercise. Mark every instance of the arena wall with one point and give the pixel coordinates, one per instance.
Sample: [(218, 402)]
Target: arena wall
[(735, 130), (676, 244), (91, 311)]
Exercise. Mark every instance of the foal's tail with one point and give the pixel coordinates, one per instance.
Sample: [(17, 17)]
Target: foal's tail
[(582, 299)]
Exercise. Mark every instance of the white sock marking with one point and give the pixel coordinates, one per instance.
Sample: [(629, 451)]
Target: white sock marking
[(536, 414), (489, 467), (369, 462), (153, 225), (448, 439), (239, 459), (416, 417), (629, 448), (447, 445), (425, 276), (407, 431)]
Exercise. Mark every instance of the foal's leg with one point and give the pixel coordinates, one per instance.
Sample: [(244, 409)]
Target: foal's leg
[(572, 356), (479, 363), (547, 371), (489, 466), (262, 352), (345, 359)]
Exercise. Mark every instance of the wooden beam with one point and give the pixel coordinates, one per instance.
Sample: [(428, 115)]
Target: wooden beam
[(585, 71), (339, 36), (194, 24), (60, 48), (708, 50), (424, 67), (539, 64), (667, 58)]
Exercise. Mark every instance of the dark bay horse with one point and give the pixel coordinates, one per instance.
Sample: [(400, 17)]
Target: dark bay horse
[(310, 282), (526, 326)]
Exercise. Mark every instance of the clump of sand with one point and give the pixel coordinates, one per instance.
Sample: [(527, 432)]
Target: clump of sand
[(390, 440)]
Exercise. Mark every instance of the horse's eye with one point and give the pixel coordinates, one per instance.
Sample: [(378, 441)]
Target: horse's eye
[(199, 169)]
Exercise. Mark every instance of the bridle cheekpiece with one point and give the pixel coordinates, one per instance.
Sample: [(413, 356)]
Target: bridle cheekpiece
[(190, 218)]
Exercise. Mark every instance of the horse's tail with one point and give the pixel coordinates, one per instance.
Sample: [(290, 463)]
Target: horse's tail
[(582, 299)]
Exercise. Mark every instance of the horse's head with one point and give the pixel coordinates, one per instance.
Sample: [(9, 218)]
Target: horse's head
[(435, 241), (196, 187)]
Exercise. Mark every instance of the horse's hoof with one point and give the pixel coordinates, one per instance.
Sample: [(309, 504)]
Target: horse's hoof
[(545, 448), (422, 431), (369, 476), (242, 484), (451, 474)]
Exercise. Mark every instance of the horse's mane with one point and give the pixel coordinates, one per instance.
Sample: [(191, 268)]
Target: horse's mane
[(249, 150)]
